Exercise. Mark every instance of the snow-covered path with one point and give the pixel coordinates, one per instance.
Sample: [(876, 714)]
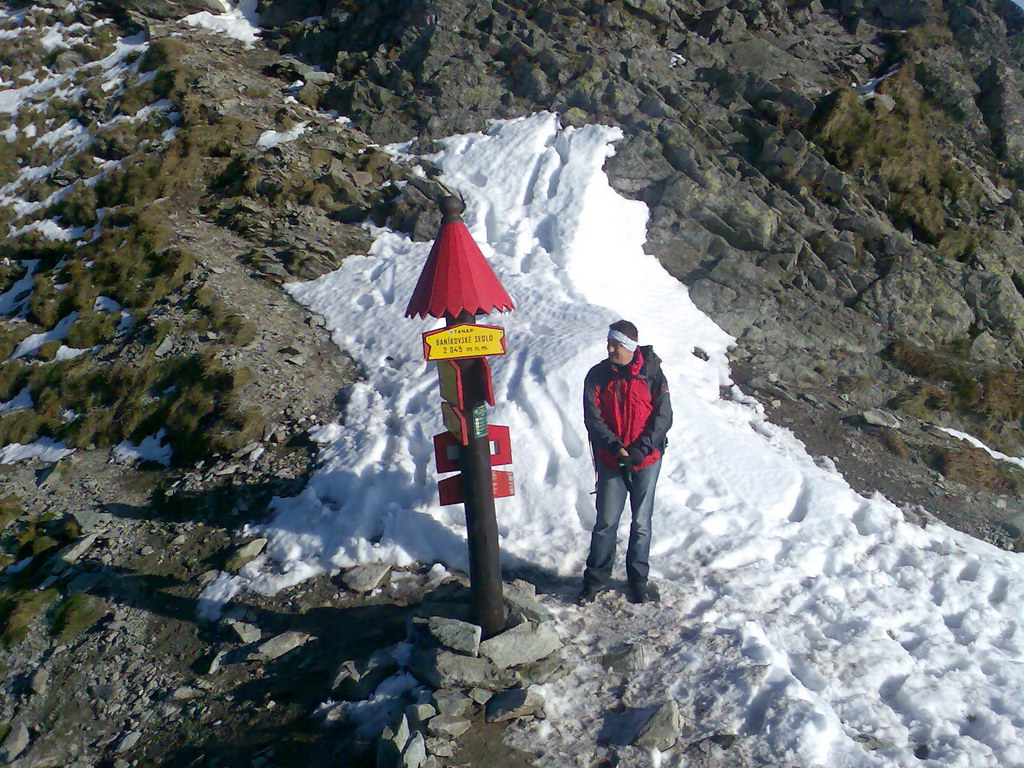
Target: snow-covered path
[(814, 623)]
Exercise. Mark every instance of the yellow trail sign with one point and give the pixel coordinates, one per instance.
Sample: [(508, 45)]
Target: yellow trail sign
[(463, 340)]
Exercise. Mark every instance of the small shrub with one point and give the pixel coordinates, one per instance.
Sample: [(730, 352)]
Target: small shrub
[(92, 328), (48, 350), (894, 443)]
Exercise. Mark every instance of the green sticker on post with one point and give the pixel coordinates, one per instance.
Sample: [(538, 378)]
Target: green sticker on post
[(480, 421)]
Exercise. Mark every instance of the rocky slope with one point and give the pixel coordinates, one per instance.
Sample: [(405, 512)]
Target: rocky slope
[(836, 182)]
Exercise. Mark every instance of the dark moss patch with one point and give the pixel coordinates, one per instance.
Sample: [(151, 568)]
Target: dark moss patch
[(18, 609), (77, 614)]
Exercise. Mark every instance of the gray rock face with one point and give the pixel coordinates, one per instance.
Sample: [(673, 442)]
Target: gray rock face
[(919, 303), (661, 731), (521, 645), (513, 704)]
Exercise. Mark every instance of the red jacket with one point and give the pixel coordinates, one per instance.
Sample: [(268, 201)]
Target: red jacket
[(627, 407)]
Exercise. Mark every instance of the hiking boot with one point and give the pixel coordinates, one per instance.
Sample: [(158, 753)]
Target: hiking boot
[(587, 594), (642, 593)]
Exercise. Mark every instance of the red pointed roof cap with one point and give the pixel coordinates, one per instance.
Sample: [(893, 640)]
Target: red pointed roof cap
[(456, 277)]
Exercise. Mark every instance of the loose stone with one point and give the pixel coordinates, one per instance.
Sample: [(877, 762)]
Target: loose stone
[(661, 731), (278, 646), (520, 645), (245, 554), (459, 636), (512, 704), (450, 702), (448, 726), (629, 657), (15, 743), (247, 633), (365, 578)]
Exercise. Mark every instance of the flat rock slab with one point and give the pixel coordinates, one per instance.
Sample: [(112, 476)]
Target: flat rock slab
[(278, 646), (523, 600), (876, 417), (520, 645), (247, 633), (459, 636), (448, 726), (365, 578), (513, 704), (245, 554), (661, 731), (629, 657), (444, 669)]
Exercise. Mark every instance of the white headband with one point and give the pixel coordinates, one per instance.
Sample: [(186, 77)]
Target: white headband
[(623, 340)]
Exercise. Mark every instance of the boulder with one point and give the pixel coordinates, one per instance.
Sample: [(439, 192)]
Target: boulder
[(525, 602), (415, 753), (392, 744), (16, 742), (247, 633)]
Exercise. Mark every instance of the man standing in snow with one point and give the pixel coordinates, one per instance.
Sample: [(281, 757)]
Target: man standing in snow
[(627, 412)]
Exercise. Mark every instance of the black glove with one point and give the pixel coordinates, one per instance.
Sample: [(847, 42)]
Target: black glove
[(636, 457), (626, 471)]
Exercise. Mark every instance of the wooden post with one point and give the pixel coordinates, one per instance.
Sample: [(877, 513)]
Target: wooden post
[(481, 519)]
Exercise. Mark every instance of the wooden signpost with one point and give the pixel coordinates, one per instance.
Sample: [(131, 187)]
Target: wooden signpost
[(457, 284)]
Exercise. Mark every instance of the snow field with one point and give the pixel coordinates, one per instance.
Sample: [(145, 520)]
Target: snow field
[(813, 623)]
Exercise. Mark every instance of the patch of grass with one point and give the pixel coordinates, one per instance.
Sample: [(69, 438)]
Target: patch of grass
[(18, 609), (990, 398), (894, 443), (76, 614), (899, 147), (10, 510), (92, 328), (233, 328), (972, 467)]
